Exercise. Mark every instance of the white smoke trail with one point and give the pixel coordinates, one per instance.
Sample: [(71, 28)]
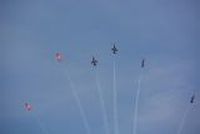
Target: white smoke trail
[(78, 101), (135, 117), (115, 109), (180, 128), (36, 117), (41, 125), (102, 102)]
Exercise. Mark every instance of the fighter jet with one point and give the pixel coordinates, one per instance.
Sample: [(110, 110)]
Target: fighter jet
[(142, 63), (94, 61), (192, 99), (114, 49)]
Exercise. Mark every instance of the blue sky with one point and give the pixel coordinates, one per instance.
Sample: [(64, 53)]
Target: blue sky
[(165, 32)]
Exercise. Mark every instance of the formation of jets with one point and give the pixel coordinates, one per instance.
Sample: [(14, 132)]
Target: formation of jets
[(114, 51), (94, 62)]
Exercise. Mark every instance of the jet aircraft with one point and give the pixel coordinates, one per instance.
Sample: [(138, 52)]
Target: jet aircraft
[(114, 49), (192, 99), (142, 63), (94, 61)]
